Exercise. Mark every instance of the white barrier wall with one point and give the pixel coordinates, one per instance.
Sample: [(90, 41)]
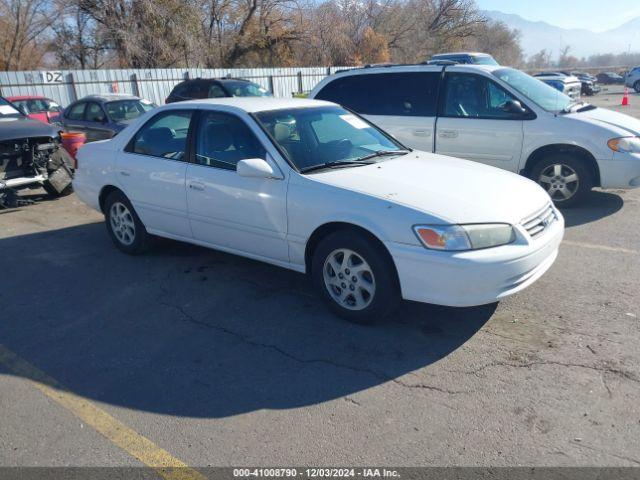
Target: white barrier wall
[(65, 86)]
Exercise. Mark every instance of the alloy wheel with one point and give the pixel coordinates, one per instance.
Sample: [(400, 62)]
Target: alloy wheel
[(122, 223), (349, 279), (560, 181)]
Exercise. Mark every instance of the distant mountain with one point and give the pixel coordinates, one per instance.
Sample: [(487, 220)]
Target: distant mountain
[(538, 35)]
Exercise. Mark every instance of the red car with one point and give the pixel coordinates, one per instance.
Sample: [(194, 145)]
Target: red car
[(38, 108)]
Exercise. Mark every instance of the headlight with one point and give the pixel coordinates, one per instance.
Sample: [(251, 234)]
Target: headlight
[(464, 237), (625, 144)]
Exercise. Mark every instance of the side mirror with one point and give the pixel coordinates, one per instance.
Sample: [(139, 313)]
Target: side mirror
[(513, 106), (256, 168)]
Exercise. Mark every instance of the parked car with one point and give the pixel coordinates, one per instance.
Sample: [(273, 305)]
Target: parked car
[(37, 107), (610, 78), (499, 116), (632, 79), (215, 88), (309, 186), (101, 117), (589, 83), (476, 58), (31, 156), (567, 84)]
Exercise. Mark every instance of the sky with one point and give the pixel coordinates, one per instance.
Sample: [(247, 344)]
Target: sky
[(595, 15)]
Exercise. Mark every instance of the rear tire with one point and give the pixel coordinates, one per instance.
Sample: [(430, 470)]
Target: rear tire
[(355, 277), (566, 178), (636, 86), (124, 226)]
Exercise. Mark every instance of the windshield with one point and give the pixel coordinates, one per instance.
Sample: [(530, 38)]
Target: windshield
[(245, 89), (535, 90), (7, 110), (124, 110), (315, 136), (484, 60), (38, 105)]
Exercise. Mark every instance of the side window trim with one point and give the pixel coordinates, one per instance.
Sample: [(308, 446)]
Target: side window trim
[(128, 148)]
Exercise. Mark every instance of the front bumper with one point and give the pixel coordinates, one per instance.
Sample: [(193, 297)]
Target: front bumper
[(464, 279), (620, 171)]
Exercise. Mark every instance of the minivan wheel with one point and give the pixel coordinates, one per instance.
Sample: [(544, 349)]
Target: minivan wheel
[(124, 227), (636, 86), (355, 277), (566, 179)]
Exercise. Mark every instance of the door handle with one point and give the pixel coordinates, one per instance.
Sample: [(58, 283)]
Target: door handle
[(421, 132), (196, 186), (448, 134), (124, 173)]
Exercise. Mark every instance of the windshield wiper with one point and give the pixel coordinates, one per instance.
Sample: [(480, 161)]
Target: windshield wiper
[(337, 163), (382, 153)]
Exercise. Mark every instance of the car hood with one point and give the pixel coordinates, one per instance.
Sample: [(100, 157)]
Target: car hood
[(448, 188), (619, 123), (12, 128)]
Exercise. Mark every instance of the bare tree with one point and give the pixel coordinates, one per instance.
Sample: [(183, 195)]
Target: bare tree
[(22, 23)]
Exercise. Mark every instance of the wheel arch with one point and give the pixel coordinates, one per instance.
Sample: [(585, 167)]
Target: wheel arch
[(574, 150), (104, 193), (326, 229)]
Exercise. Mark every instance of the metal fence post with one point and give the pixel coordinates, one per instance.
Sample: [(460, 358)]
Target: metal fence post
[(328, 71), (299, 82), (72, 82), (136, 85), (270, 80)]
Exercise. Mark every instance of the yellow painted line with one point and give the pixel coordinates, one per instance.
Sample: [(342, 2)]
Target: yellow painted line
[(601, 247), (167, 466)]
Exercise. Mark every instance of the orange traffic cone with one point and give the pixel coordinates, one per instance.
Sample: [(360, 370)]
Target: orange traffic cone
[(625, 97)]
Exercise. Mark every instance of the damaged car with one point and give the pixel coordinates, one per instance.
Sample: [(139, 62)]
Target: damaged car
[(31, 157)]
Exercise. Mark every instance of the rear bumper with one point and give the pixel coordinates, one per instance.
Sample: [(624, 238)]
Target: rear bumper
[(621, 171), (478, 277)]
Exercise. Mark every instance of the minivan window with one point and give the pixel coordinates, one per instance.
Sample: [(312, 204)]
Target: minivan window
[(410, 94), (474, 96), (543, 95)]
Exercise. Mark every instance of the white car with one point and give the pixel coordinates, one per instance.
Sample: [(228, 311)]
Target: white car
[(309, 186), (499, 116)]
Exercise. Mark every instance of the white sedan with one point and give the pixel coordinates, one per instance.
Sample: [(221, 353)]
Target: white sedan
[(310, 186)]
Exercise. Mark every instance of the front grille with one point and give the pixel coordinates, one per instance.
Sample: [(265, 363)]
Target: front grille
[(537, 223)]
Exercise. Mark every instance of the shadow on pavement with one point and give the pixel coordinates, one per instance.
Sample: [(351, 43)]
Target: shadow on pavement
[(597, 205), (188, 331)]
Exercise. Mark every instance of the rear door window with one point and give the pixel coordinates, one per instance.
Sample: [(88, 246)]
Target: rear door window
[(76, 112), (165, 135), (411, 94), (95, 113)]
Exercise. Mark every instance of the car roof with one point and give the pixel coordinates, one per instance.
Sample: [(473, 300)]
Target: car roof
[(254, 104), (453, 54), (108, 97), (14, 98), (415, 67), (222, 80)]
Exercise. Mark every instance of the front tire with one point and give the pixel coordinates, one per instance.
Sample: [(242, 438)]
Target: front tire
[(566, 179), (355, 277), (636, 86), (124, 226)]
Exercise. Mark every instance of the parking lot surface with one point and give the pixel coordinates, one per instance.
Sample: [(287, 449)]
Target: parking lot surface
[(218, 360)]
